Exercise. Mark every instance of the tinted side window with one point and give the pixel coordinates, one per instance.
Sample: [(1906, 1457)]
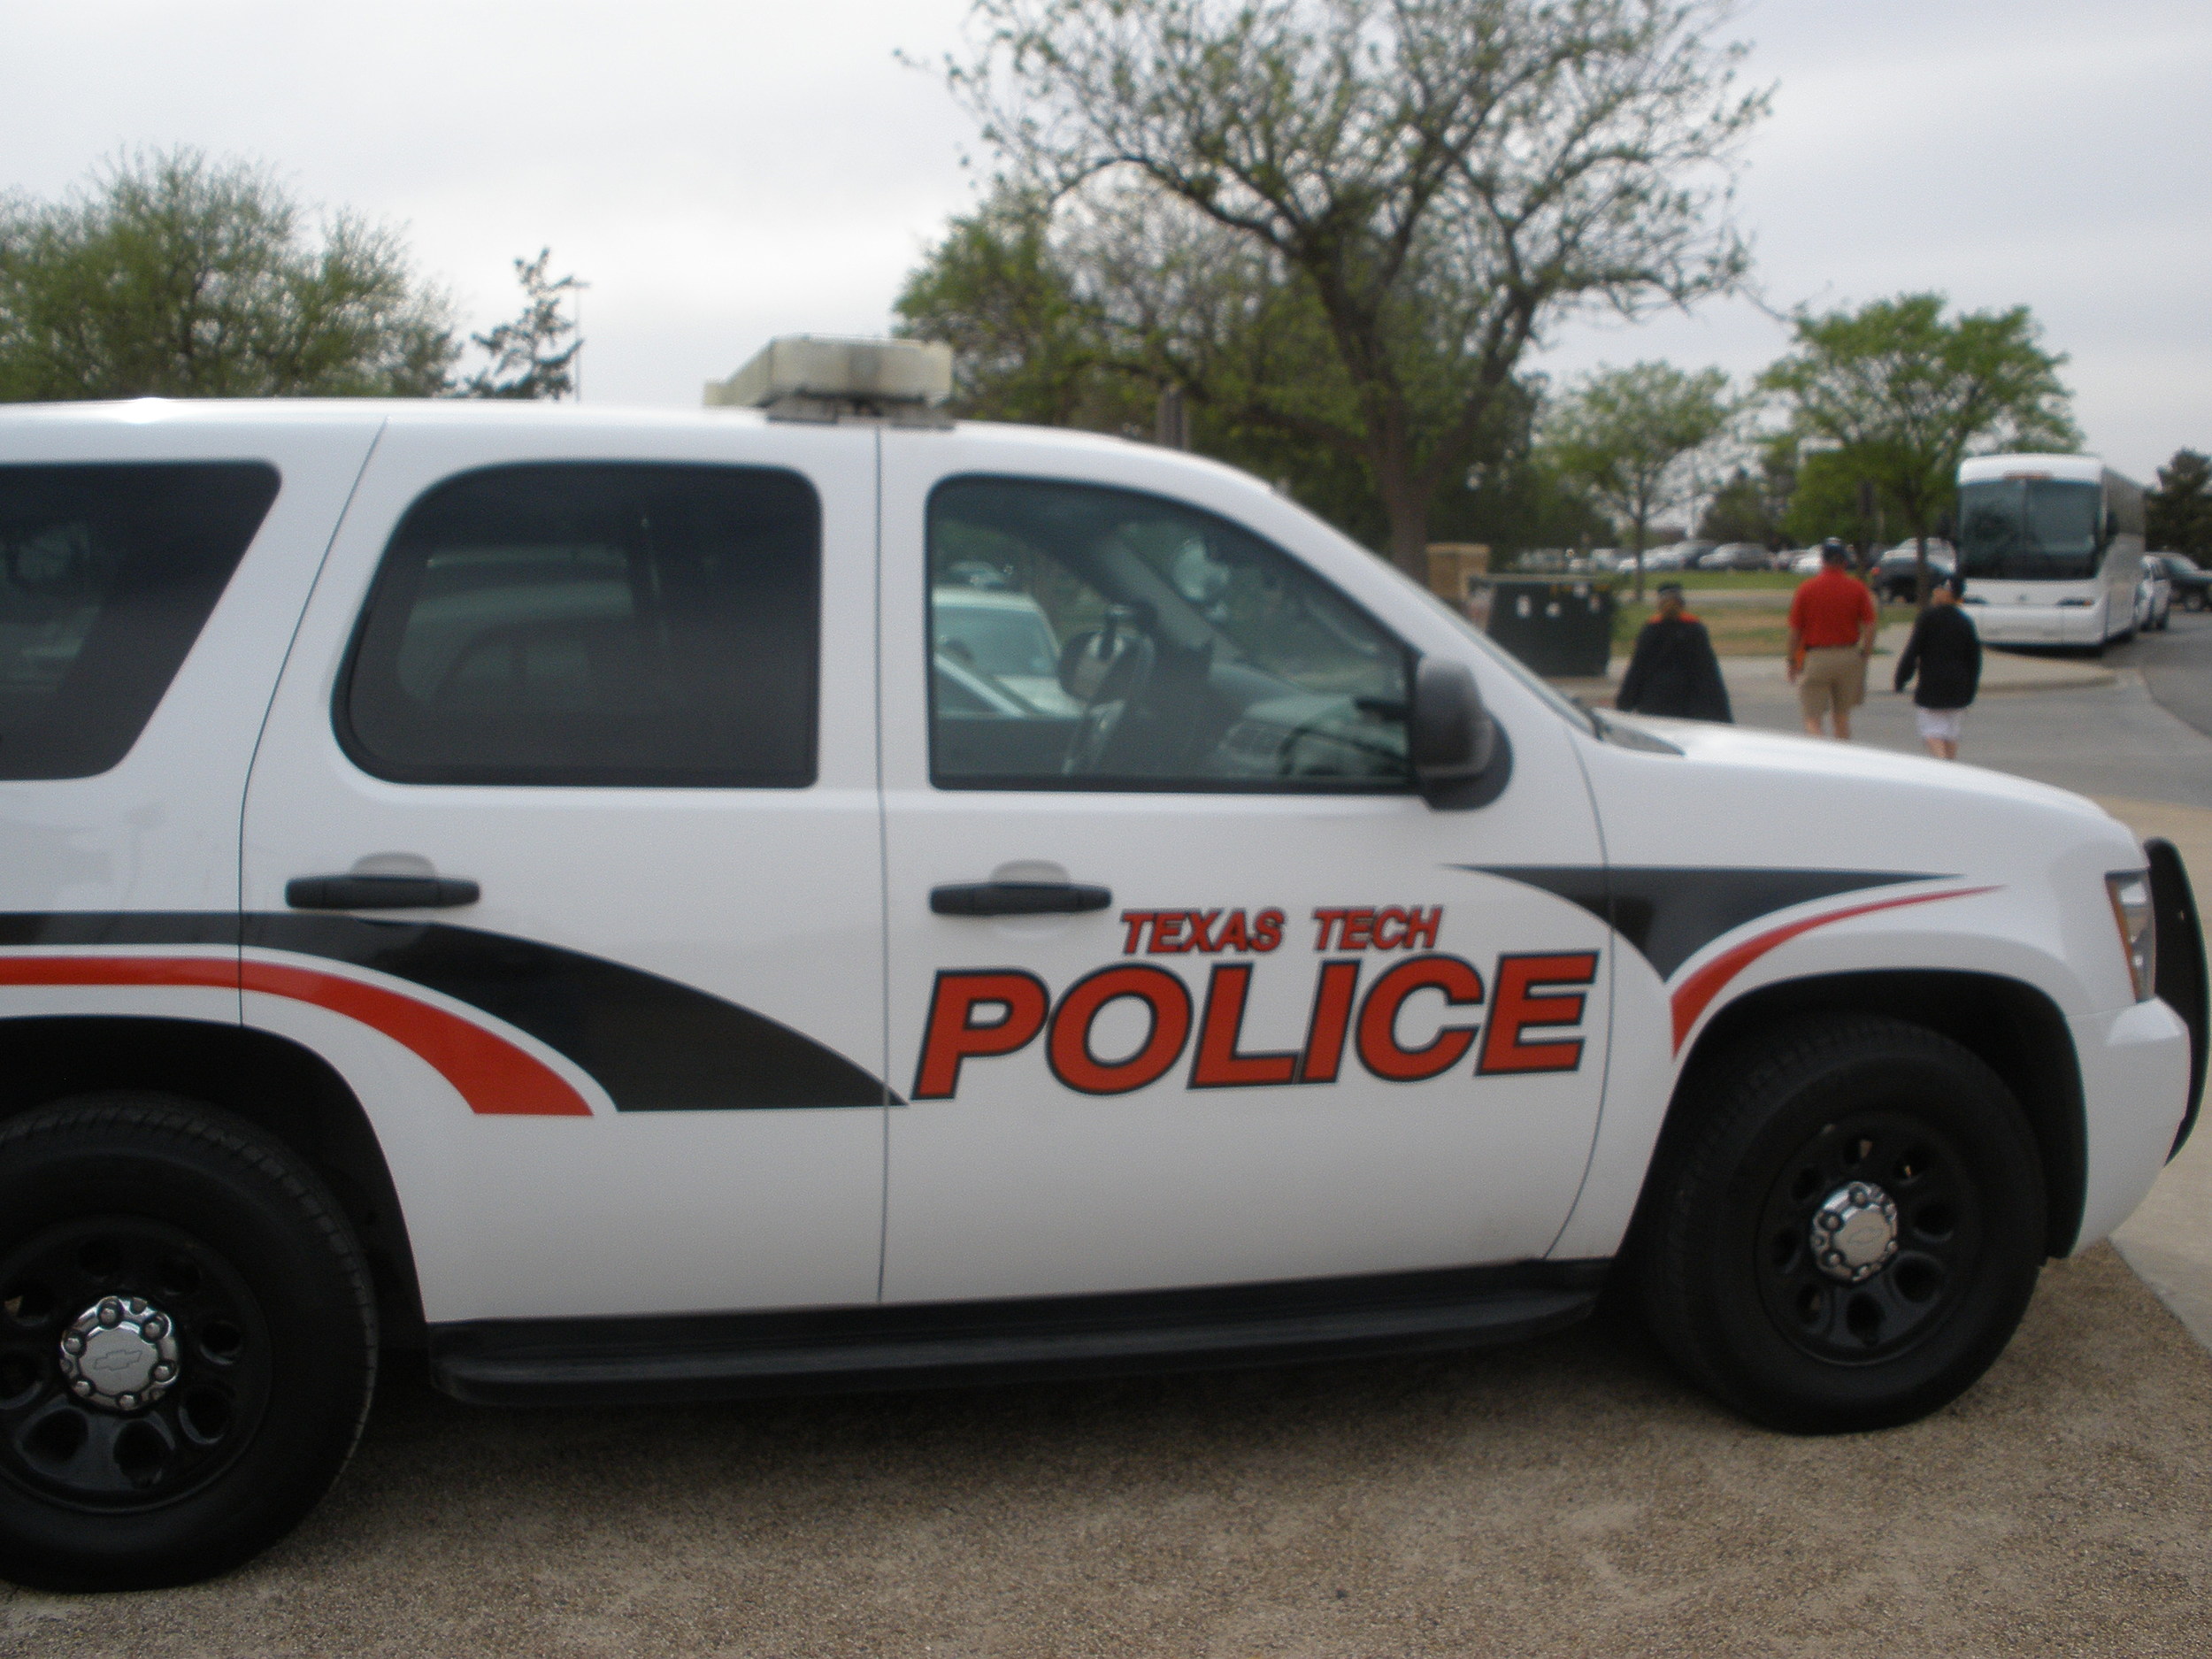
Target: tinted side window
[(601, 623), (107, 574), (1089, 638)]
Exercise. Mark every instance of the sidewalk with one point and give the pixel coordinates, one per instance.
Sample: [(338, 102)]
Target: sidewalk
[(2002, 671)]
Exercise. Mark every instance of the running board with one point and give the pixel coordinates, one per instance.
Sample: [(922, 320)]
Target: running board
[(717, 1357)]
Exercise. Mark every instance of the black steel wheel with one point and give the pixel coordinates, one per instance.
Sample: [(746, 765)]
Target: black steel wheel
[(1934, 1238), (1846, 1232), (188, 1342)]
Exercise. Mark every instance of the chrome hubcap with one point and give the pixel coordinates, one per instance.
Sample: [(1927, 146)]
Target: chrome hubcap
[(1854, 1233), (120, 1352)]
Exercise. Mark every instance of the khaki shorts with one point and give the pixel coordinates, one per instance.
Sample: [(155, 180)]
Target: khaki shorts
[(1834, 681)]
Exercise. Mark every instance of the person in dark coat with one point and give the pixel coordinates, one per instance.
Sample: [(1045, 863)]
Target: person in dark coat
[(1946, 654), (1674, 671)]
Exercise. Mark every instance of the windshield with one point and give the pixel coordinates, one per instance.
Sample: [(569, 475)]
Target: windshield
[(2030, 529)]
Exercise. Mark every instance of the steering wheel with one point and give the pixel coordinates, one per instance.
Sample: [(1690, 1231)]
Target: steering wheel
[(1115, 665)]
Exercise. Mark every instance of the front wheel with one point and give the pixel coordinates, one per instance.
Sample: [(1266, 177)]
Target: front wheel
[(188, 1342), (1849, 1234)]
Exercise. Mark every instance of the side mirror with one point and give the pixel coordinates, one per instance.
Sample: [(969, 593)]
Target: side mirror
[(1460, 758)]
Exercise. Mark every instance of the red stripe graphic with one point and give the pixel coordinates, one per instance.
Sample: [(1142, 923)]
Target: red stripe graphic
[(1694, 993), (493, 1075)]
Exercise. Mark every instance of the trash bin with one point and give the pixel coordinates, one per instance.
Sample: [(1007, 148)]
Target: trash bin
[(1560, 627)]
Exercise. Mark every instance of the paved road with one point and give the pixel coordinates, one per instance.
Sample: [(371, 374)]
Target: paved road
[(2147, 736), (2177, 664)]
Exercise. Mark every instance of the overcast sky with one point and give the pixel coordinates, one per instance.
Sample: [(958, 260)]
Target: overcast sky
[(723, 173)]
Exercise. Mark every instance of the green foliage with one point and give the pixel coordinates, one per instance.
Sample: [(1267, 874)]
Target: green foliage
[(2178, 513), (171, 275), (1825, 503), (1026, 346), (1624, 433), (1343, 224), (1045, 330), (1751, 505), (1900, 394), (527, 359)]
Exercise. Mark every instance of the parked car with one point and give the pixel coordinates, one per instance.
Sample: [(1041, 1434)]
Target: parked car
[(2154, 597), (1896, 574), (2191, 584), (1004, 636), (601, 900), (1806, 563), (1736, 556)]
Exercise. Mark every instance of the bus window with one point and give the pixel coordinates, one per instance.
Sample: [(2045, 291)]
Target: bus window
[(2030, 529)]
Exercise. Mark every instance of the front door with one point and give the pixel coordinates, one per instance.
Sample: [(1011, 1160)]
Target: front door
[(1187, 984), (605, 696)]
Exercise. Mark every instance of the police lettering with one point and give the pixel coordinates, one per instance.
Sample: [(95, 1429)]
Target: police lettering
[(989, 1013)]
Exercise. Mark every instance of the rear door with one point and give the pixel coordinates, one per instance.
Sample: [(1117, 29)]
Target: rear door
[(154, 559), (603, 693)]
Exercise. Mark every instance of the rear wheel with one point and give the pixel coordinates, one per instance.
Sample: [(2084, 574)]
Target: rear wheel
[(1849, 1235), (188, 1342)]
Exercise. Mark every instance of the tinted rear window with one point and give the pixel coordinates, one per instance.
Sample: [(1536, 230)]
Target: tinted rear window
[(107, 574), (594, 623)]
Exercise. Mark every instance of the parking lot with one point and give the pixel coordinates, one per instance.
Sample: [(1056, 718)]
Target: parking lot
[(1568, 1496)]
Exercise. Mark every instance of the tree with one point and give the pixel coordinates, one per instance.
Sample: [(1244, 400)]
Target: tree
[(1624, 433), (1826, 501), (1414, 191), (2178, 513), (1751, 506), (1026, 345), (527, 358), (171, 275), (1908, 393)]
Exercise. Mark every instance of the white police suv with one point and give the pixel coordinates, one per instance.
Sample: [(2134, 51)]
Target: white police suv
[(655, 906)]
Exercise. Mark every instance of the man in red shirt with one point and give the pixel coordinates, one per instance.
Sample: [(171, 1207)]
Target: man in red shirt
[(1832, 635)]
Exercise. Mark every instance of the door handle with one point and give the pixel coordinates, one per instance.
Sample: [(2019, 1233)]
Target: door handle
[(378, 893), (1018, 898)]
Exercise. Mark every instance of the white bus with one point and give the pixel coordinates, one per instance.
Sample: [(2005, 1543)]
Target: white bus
[(2052, 549)]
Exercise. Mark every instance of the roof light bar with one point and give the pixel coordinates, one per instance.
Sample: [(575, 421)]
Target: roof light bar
[(812, 377)]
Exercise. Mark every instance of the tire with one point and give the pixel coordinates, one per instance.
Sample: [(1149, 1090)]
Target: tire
[(168, 1221), (1728, 1277)]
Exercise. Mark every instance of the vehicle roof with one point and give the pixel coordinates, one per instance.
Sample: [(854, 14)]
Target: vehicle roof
[(462, 411), (2082, 468), (184, 414)]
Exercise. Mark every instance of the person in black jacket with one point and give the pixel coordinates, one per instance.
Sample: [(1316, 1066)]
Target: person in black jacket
[(1674, 671), (1946, 654)]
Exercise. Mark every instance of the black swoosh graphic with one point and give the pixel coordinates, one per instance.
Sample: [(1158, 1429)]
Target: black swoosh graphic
[(653, 1044), (1669, 913)]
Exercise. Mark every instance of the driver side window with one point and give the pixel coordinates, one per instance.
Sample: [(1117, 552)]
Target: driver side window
[(1089, 638)]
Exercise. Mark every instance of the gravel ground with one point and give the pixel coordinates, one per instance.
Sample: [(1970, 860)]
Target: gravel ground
[(1566, 1497)]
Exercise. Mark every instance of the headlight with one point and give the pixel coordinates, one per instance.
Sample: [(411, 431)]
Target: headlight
[(2131, 892)]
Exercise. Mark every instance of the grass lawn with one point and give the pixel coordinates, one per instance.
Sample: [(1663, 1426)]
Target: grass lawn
[(1736, 630), (1745, 630), (1694, 582)]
